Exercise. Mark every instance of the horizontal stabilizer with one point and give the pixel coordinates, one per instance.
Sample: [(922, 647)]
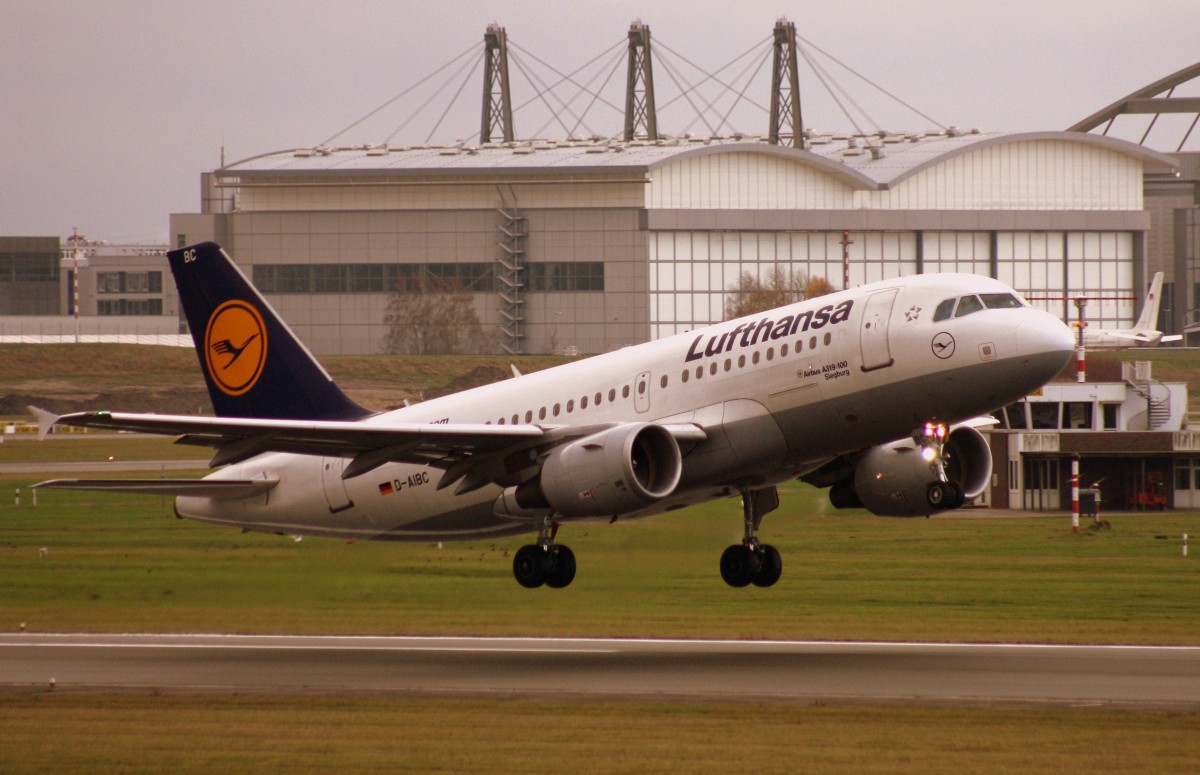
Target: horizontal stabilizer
[(220, 489)]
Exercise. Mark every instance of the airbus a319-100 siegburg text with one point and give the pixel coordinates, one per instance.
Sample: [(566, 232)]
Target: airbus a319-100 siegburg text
[(876, 392)]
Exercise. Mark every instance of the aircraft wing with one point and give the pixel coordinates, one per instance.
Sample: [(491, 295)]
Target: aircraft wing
[(475, 452)]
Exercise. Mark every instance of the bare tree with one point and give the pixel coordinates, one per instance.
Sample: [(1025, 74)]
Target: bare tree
[(780, 288), (432, 316)]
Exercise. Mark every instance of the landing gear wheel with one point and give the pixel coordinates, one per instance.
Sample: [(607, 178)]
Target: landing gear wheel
[(562, 567), (770, 566), (936, 495), (531, 566), (957, 496), (739, 565)]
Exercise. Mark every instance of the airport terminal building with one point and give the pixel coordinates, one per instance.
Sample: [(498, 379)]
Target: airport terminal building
[(587, 246)]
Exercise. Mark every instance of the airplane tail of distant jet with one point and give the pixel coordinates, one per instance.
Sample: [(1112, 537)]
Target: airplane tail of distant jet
[(253, 364), (1148, 320)]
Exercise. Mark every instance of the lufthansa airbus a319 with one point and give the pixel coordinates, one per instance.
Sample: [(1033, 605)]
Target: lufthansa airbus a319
[(875, 392)]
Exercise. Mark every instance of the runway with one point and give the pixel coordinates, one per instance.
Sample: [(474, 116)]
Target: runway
[(760, 671)]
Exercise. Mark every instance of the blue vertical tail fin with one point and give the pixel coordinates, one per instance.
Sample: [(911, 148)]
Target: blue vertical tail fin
[(253, 364)]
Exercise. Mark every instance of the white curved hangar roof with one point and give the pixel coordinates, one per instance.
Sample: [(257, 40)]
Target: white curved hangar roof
[(862, 162)]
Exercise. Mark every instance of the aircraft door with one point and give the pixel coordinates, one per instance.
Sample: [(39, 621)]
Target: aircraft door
[(334, 485), (873, 336), (641, 392)]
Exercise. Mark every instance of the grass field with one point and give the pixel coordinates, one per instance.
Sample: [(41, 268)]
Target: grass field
[(243, 734), (95, 562), (88, 562)]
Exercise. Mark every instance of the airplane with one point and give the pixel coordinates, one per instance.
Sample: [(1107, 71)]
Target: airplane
[(874, 392), (1143, 333)]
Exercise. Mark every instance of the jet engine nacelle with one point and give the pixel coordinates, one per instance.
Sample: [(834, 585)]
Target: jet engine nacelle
[(616, 471), (893, 480)]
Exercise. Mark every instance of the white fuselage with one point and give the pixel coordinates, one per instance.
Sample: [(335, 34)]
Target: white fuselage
[(777, 395)]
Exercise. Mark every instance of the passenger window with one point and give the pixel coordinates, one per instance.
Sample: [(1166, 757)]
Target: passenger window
[(625, 392), (828, 338), (612, 395), (542, 413), (663, 382), (528, 416), (583, 403), (944, 310), (741, 361), (728, 364), (699, 372), (684, 376), (812, 343), (571, 406), (600, 399), (967, 305), (516, 419), (754, 357)]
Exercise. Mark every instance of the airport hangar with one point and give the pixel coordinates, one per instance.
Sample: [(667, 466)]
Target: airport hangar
[(590, 245)]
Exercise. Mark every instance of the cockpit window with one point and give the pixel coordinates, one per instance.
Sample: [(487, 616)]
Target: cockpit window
[(967, 305), (944, 310), (1000, 301)]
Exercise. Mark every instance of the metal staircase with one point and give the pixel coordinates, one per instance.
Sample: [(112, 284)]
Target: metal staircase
[(1156, 394), (511, 277)]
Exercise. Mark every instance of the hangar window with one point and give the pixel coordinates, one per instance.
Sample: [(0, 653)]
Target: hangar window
[(1044, 415), (565, 276)]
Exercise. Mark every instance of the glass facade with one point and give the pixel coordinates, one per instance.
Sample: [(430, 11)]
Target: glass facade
[(29, 281), (691, 273)]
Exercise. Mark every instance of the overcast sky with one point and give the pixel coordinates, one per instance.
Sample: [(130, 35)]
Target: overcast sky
[(109, 111)]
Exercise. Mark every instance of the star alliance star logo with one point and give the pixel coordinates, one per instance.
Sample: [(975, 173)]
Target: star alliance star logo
[(912, 314)]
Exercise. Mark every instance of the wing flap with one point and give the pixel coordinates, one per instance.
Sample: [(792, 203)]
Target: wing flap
[(219, 489)]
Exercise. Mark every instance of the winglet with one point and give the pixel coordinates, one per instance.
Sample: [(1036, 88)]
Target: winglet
[(45, 419)]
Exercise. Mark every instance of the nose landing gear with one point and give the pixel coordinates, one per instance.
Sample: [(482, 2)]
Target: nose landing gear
[(942, 493)]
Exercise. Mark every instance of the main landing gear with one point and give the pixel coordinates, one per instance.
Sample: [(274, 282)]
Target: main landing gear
[(751, 562), (544, 562)]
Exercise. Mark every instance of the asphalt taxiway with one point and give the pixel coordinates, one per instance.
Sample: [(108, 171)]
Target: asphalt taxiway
[(1163, 677)]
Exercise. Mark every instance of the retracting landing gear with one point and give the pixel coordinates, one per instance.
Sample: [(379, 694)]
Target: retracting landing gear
[(943, 492), (544, 562), (752, 562)]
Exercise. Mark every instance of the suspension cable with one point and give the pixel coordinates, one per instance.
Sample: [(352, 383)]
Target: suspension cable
[(338, 134)]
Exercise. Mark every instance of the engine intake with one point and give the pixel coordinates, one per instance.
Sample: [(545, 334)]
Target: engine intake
[(616, 471)]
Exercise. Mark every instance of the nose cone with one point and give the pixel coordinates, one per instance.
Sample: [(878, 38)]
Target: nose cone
[(1045, 345)]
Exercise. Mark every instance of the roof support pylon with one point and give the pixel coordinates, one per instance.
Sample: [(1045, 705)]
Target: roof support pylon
[(497, 101), (787, 128), (641, 119)]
